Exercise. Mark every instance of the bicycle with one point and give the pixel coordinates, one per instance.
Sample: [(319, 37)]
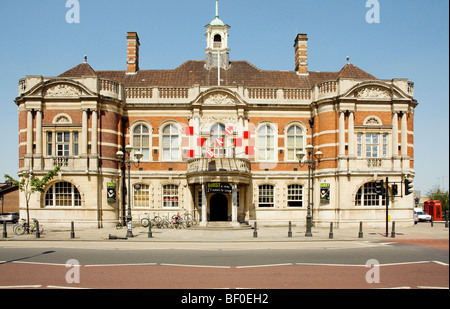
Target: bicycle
[(21, 228), (189, 219), (156, 221), (178, 222), (119, 225)]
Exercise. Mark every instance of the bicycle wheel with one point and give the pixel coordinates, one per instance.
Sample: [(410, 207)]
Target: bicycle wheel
[(157, 221), (145, 222), (19, 229), (33, 229)]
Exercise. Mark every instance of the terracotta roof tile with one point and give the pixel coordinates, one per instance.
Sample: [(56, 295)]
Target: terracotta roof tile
[(240, 73), (83, 69), (351, 71)]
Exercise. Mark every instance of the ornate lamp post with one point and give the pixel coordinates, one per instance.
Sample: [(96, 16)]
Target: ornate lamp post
[(127, 163), (312, 161)]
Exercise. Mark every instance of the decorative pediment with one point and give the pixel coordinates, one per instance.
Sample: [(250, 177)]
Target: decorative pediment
[(62, 119), (219, 99), (372, 121), (62, 90), (376, 90), (373, 92), (208, 121)]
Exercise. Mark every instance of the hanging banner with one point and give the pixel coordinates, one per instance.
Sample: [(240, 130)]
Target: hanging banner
[(217, 187), (111, 192), (324, 192)]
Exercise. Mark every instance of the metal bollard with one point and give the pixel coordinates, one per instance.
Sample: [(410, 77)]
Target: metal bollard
[(393, 230), (5, 232), (150, 235), (290, 230), (38, 232), (255, 230), (360, 235), (330, 235), (72, 230), (432, 222), (446, 219)]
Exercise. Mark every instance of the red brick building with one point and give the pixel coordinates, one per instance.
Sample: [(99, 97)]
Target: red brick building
[(219, 138), (9, 198)]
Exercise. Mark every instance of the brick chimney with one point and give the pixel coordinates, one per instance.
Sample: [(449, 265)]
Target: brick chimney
[(132, 53), (301, 54)]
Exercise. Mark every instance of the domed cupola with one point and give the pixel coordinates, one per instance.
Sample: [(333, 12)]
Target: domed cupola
[(217, 51)]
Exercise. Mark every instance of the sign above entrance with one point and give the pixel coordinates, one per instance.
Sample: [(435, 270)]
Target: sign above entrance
[(217, 187)]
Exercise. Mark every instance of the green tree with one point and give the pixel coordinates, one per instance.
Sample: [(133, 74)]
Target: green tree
[(29, 184), (437, 194)]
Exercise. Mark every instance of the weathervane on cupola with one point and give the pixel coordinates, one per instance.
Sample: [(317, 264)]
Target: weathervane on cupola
[(217, 51)]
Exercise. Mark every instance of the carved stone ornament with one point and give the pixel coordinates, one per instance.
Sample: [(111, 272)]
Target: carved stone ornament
[(219, 99), (62, 120), (373, 93), (208, 121), (372, 122), (62, 90)]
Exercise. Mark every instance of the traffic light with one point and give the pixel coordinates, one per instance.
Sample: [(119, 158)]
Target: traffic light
[(394, 189), (379, 187), (409, 187)]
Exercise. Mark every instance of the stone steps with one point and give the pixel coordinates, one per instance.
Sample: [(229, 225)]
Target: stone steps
[(223, 225)]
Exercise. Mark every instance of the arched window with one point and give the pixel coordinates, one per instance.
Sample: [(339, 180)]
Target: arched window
[(295, 196), (266, 143), (141, 141), (217, 41), (266, 196), (294, 143), (170, 196), (367, 196), (170, 143), (218, 141), (141, 195), (62, 194)]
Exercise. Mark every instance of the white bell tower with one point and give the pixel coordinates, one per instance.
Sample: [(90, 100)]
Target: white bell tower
[(217, 51)]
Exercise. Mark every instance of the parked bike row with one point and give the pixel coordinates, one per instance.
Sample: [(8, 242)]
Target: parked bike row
[(177, 221), (21, 227)]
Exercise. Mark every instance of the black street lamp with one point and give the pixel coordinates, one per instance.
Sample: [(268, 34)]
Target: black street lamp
[(312, 164), (121, 156)]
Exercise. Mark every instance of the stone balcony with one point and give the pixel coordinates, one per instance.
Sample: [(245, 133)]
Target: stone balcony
[(236, 170)]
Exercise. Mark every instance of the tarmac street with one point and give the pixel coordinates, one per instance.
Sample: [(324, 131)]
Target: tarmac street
[(208, 259)]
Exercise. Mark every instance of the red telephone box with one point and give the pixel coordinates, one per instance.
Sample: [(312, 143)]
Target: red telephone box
[(434, 209)]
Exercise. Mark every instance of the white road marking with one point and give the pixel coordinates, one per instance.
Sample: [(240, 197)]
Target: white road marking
[(65, 287), (200, 266), (268, 265), (20, 287), (440, 263), (119, 265)]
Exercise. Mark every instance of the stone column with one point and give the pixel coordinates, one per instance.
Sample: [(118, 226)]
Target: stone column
[(84, 141), (38, 157), (351, 134), (341, 134), (29, 132), (84, 133), (395, 134), (234, 209), (204, 206), (28, 164), (94, 132), (93, 158), (404, 135)]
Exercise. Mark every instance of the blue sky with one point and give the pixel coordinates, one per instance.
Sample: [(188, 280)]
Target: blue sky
[(411, 41)]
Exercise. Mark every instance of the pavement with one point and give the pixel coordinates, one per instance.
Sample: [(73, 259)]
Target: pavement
[(422, 230)]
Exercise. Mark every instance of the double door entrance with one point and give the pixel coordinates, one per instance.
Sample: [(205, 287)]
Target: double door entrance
[(218, 202), (218, 208)]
